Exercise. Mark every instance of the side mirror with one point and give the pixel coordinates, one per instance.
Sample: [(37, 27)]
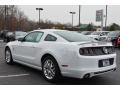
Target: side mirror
[(20, 39)]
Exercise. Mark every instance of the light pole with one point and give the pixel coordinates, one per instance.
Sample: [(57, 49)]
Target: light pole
[(79, 14), (39, 9), (106, 18), (72, 18)]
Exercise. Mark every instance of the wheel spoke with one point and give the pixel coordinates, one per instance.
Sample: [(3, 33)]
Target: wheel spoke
[(7, 56), (49, 69)]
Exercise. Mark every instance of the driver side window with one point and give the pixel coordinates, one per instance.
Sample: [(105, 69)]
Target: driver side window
[(33, 37)]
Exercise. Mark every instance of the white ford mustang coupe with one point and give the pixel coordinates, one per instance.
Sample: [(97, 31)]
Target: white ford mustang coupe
[(62, 53)]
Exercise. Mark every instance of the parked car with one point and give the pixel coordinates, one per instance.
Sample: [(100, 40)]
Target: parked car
[(62, 53), (97, 34), (103, 37), (86, 32), (114, 37), (3, 35), (11, 36)]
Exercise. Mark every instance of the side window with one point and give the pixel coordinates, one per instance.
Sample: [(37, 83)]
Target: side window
[(39, 36), (50, 38), (33, 37)]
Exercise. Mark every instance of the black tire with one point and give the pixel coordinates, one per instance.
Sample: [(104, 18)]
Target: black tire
[(10, 61), (57, 74)]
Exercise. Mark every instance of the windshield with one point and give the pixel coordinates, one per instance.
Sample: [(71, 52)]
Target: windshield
[(114, 33), (20, 33), (72, 36)]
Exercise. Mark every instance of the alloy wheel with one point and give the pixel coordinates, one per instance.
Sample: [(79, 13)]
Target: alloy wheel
[(49, 69)]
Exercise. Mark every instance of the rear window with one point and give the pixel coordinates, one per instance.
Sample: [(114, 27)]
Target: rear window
[(50, 38), (72, 36)]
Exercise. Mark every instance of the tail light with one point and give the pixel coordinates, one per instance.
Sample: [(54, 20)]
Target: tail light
[(85, 51), (81, 51), (92, 51), (118, 40)]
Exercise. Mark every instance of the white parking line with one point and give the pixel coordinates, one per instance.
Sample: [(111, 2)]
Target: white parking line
[(17, 75)]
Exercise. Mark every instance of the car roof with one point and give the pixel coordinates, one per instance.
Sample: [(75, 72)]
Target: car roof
[(102, 31), (50, 30)]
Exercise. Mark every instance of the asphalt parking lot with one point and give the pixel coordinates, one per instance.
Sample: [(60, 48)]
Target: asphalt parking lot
[(21, 75)]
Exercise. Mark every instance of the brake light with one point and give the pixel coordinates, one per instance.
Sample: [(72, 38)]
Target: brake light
[(118, 40), (92, 51)]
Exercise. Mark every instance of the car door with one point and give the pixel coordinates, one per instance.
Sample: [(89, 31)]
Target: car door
[(26, 50)]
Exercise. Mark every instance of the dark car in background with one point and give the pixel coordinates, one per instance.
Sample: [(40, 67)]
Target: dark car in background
[(12, 36), (8, 36), (99, 35), (3, 34), (114, 37)]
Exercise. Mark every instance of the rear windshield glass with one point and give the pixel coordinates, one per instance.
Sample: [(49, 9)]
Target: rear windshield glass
[(73, 36)]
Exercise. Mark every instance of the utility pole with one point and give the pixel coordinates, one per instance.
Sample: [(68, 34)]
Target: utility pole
[(79, 14), (106, 18), (72, 18), (5, 17), (39, 9), (102, 18)]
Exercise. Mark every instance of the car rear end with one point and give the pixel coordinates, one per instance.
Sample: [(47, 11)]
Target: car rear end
[(83, 57), (99, 60), (92, 59)]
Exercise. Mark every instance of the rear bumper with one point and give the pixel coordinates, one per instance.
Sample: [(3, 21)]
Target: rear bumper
[(85, 65), (88, 73)]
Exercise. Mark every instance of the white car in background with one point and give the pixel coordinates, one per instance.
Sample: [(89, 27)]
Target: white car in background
[(62, 53), (99, 35)]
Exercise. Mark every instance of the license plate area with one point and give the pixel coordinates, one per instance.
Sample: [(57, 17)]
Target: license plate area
[(106, 62)]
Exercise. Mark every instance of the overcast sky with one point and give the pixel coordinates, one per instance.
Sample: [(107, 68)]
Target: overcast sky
[(60, 13)]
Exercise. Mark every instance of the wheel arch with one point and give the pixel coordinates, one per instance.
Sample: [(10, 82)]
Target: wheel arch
[(48, 54), (7, 47)]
